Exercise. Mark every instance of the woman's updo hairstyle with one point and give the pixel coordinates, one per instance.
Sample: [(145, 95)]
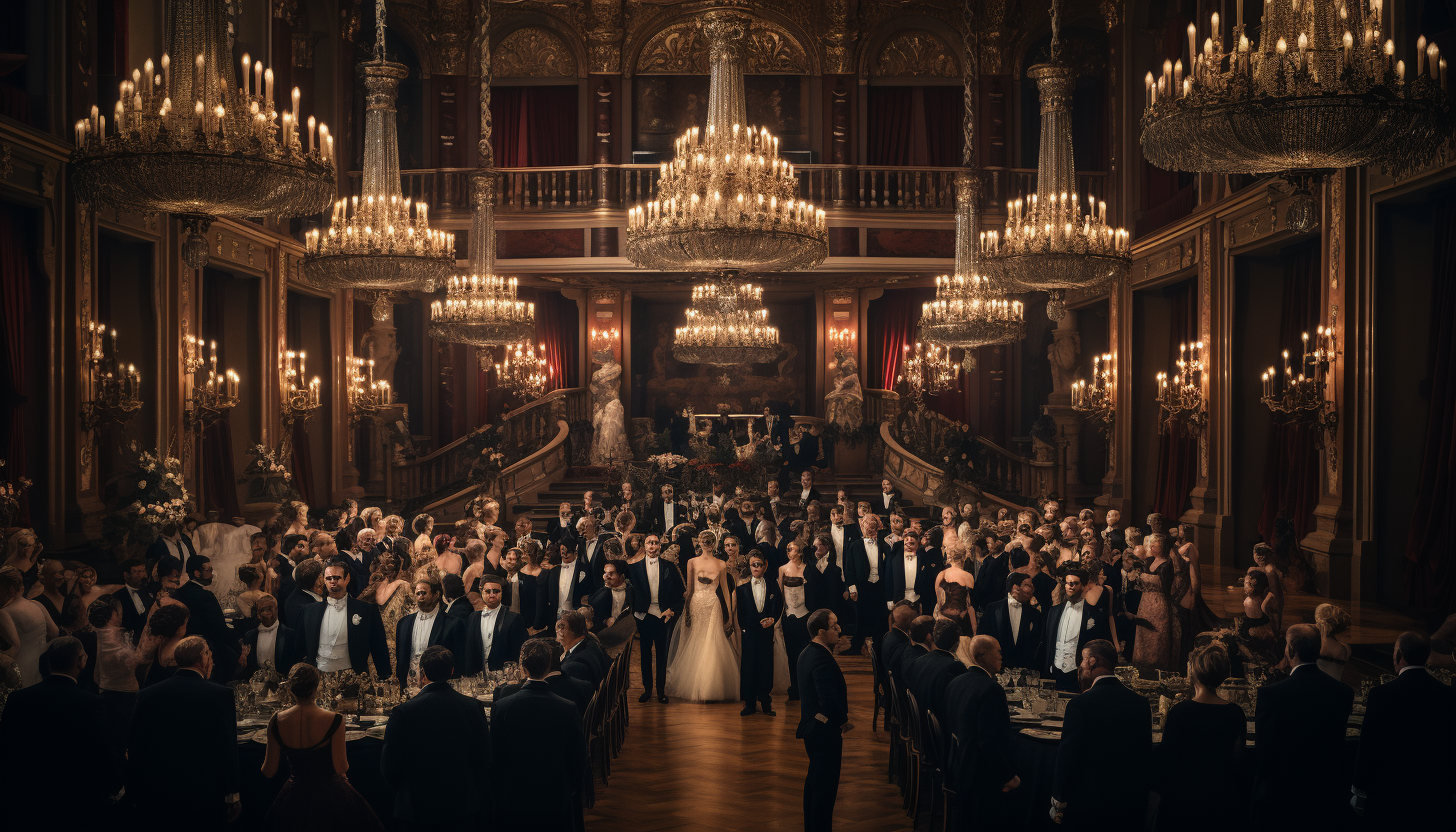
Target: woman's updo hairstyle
[(302, 681)]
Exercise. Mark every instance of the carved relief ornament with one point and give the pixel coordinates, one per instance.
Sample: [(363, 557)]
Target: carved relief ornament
[(679, 49), (912, 54), (532, 53)]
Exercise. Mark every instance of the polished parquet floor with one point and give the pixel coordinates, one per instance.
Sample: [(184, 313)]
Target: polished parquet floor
[(703, 767)]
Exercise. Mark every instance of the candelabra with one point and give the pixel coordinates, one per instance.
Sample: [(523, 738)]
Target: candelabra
[(604, 344), (300, 400), (114, 390), (1319, 88), (208, 401), (367, 397), (726, 200), (928, 370), (524, 371), (190, 141), (1302, 396), (842, 342), (1098, 400), (1182, 402), (726, 324)]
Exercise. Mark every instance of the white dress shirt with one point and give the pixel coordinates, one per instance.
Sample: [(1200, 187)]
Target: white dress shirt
[(1013, 613), (836, 534), (804, 497), (591, 548), (267, 649), (653, 581), (667, 515), (487, 631), (566, 586), (912, 561), (619, 599), (514, 579), (136, 600), (333, 643), (887, 499), (1068, 632), (872, 554), (760, 593), (420, 638)]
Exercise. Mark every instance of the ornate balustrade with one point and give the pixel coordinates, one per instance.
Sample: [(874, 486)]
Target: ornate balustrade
[(929, 453), (587, 187)]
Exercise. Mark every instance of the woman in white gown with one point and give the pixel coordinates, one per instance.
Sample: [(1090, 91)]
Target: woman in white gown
[(702, 665), (25, 627)]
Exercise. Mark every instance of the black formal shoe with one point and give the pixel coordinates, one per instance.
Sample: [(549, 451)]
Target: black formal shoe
[(748, 710), (646, 695), (662, 699), (769, 711)]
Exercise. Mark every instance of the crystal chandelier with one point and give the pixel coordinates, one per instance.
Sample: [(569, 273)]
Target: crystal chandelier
[(379, 240), (1302, 396), (928, 370), (192, 142), (1318, 89), (726, 324), (525, 371), (726, 200), (481, 308), (1098, 400), (1182, 402), (1050, 245)]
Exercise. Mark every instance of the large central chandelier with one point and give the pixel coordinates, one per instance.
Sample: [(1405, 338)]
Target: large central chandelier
[(726, 324), (1319, 88), (726, 200), (379, 240), (481, 308), (189, 140), (1050, 245)]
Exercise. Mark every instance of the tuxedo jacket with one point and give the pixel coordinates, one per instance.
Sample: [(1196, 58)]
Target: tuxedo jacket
[(924, 582), (575, 691), (586, 662), (505, 643), (749, 615), (555, 530), (927, 677), (601, 604), (1025, 649), (658, 514), (598, 558), (823, 696), (976, 712), (903, 658), (449, 730), (284, 567), (1107, 729), (1095, 624), (670, 588), (185, 726), (160, 549), (851, 533), (878, 503), (857, 563), (990, 581), (534, 730), (443, 630), (823, 589), (366, 639), (42, 728), (205, 616), (1299, 729), (530, 589), (294, 605), (459, 611), (549, 604), (797, 495), (287, 651), (358, 569), (1405, 765), (130, 618)]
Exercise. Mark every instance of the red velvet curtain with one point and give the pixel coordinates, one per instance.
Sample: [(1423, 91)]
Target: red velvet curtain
[(14, 314), (1291, 473), (891, 323), (1178, 454), (558, 326), (219, 474), (914, 126), (1431, 566), (534, 126)]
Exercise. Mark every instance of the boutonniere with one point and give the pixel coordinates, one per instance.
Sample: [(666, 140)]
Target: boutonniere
[(1091, 622), (357, 620)]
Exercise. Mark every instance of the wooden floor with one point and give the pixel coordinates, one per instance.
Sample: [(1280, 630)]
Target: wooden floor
[(1369, 624), (702, 767)]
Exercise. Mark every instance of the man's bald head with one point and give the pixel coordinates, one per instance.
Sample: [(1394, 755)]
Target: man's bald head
[(902, 615), (986, 653)]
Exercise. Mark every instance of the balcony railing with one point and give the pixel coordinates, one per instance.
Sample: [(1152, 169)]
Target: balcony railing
[(587, 187)]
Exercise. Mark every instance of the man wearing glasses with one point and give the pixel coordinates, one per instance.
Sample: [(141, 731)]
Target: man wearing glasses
[(493, 634)]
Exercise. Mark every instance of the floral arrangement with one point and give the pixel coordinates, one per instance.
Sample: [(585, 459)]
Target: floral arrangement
[(487, 459), (160, 497), (10, 494), (667, 460), (267, 476)]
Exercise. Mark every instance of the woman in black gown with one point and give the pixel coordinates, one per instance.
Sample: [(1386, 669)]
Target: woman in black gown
[(1197, 765), (317, 794)]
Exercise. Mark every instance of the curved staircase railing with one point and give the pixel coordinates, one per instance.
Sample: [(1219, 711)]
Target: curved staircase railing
[(920, 447)]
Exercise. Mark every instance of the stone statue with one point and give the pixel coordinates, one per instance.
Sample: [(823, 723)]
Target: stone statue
[(609, 423), (844, 405), (1062, 354)]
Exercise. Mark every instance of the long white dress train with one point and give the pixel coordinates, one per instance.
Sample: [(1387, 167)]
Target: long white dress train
[(702, 665)]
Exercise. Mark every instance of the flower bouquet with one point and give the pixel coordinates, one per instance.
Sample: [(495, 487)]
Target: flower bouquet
[(159, 497), (267, 476)]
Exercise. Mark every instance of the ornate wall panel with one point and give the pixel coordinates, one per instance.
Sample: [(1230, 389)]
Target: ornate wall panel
[(533, 52), (915, 54), (678, 49)]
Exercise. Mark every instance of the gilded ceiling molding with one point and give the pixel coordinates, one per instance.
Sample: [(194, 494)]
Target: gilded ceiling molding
[(532, 52), (448, 33), (678, 49), (914, 54)]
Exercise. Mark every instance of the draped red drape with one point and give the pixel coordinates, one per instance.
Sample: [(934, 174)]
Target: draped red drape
[(558, 326), (1431, 565), (914, 126), (219, 474), (533, 126), (1178, 454), (14, 313), (1291, 473), (302, 453), (892, 321)]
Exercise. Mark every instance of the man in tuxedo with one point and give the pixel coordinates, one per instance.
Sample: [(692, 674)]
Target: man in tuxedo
[(614, 597), (359, 559), (270, 641), (1015, 623), (990, 576), (582, 658), (887, 500), (867, 559), (1113, 537), (1299, 729), (206, 618), (524, 533), (42, 729), (807, 493), (294, 551), (447, 728), (562, 525), (656, 603), (921, 640), (1405, 768), (493, 634), (823, 719), (343, 633), (928, 675), (912, 577), (1106, 729), (536, 731), (590, 549), (666, 513), (898, 637), (308, 589), (455, 605), (976, 712), (518, 589), (589, 508), (1069, 626), (183, 749), (422, 629), (841, 534), (171, 543), (566, 587), (134, 597), (759, 606), (575, 691)]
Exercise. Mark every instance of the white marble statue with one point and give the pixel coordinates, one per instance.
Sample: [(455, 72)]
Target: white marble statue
[(609, 421), (844, 405)]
